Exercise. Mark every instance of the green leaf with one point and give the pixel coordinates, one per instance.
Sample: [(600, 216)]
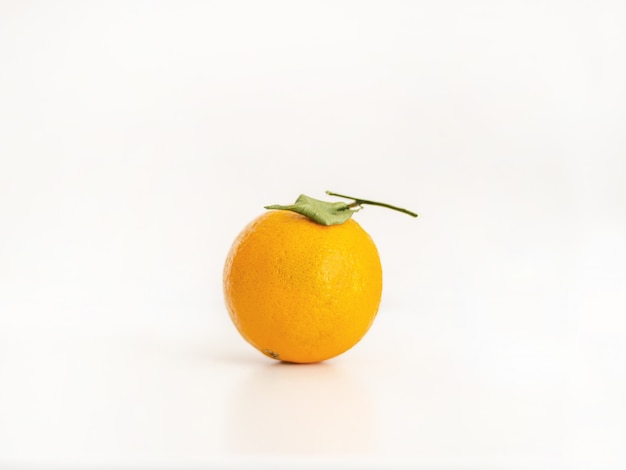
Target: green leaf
[(322, 212)]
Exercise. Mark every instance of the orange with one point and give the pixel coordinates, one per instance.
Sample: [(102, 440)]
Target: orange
[(299, 291)]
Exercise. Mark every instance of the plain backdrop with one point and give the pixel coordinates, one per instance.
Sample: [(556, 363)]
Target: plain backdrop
[(138, 138)]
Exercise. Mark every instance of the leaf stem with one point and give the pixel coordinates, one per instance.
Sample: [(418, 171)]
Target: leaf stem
[(357, 202)]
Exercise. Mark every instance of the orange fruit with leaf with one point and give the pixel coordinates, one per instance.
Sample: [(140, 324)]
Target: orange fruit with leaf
[(303, 282)]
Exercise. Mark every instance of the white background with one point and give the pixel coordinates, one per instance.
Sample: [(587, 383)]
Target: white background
[(138, 138)]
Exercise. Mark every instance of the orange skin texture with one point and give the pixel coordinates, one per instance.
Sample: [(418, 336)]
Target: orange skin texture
[(299, 291)]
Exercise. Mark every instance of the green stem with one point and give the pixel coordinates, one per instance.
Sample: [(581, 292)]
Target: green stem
[(357, 202)]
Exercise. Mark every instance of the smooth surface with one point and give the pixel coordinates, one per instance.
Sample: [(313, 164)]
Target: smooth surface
[(137, 139)]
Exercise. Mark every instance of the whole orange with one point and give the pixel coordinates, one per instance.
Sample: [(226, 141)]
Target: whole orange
[(299, 291)]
